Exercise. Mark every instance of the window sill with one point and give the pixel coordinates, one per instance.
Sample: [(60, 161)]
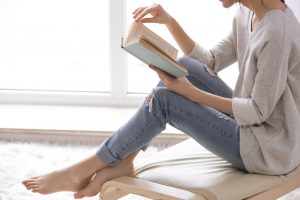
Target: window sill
[(57, 122)]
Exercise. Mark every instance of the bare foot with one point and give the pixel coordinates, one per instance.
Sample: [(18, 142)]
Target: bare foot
[(56, 181), (125, 168), (73, 178)]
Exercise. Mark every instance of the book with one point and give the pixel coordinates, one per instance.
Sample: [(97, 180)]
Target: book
[(150, 48)]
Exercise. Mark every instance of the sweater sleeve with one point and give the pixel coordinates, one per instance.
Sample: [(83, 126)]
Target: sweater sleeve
[(219, 57), (270, 83)]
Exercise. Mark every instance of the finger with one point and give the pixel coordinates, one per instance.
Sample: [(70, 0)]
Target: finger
[(157, 70), (145, 12), (162, 75), (153, 68), (138, 12), (149, 20), (165, 76), (135, 10)]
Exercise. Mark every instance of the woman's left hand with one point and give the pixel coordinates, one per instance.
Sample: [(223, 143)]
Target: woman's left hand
[(181, 86)]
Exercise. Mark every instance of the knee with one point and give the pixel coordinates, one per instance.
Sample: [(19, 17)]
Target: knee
[(192, 65), (161, 93), (162, 97), (184, 60), (195, 67)]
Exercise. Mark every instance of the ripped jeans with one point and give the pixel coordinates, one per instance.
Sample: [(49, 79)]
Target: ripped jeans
[(214, 130)]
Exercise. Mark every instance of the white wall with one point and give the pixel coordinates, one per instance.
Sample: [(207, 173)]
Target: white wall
[(295, 6)]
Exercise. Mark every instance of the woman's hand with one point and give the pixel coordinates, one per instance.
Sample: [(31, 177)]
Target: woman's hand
[(181, 86), (159, 15)]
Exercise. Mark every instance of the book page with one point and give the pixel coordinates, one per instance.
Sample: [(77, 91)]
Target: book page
[(138, 29), (151, 56), (153, 46), (166, 57)]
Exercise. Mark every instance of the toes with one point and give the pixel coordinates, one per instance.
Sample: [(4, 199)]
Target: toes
[(36, 190), (26, 181), (33, 187), (86, 192), (81, 194), (29, 180), (93, 188), (28, 184), (78, 196)]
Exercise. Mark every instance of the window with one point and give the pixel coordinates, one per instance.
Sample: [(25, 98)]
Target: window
[(59, 45), (68, 51)]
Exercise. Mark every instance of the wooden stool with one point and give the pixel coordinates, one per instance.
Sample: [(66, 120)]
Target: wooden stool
[(188, 171)]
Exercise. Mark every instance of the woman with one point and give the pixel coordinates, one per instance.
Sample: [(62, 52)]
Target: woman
[(255, 127)]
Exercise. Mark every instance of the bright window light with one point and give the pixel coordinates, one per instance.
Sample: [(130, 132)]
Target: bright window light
[(57, 45), (207, 22)]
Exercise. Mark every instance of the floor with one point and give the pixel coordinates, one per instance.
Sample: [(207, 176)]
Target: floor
[(20, 160)]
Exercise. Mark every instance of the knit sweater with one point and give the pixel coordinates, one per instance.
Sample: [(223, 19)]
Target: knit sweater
[(266, 99)]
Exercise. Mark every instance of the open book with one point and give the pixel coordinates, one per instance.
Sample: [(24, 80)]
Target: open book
[(147, 46)]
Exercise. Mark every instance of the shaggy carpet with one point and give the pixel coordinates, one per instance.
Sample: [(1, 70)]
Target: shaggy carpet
[(20, 160)]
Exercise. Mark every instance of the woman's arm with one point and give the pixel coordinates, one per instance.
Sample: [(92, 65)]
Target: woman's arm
[(219, 103), (159, 15), (184, 41), (183, 87)]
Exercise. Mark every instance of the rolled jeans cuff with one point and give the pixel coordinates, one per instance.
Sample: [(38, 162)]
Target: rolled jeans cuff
[(106, 156)]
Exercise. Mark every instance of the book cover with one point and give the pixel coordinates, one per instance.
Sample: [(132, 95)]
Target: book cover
[(152, 50)]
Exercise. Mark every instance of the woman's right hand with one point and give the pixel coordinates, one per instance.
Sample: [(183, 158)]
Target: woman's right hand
[(159, 15)]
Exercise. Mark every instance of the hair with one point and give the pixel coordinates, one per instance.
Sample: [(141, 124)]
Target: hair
[(283, 1), (262, 1)]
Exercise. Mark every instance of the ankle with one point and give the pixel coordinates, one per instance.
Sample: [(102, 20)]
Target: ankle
[(76, 175), (86, 168)]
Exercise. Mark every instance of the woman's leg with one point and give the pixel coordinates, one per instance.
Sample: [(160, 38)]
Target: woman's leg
[(165, 107), (205, 79), (124, 168), (72, 178), (211, 128), (149, 120)]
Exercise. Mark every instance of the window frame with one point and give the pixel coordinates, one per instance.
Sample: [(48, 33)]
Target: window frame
[(118, 95)]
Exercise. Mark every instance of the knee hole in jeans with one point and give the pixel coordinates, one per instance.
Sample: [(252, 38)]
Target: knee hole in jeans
[(210, 71)]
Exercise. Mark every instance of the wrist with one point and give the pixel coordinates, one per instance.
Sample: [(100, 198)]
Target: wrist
[(192, 94), (170, 21)]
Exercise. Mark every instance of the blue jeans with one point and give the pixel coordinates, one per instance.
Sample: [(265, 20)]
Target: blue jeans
[(216, 131)]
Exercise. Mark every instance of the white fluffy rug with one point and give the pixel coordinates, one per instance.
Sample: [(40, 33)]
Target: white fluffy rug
[(20, 160), (23, 160)]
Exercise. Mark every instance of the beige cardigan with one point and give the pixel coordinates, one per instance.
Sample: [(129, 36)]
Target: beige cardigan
[(266, 101)]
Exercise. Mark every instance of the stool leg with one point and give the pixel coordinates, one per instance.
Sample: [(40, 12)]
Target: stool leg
[(278, 191), (112, 193)]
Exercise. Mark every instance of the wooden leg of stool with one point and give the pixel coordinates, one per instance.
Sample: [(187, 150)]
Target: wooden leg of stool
[(112, 193), (278, 191)]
